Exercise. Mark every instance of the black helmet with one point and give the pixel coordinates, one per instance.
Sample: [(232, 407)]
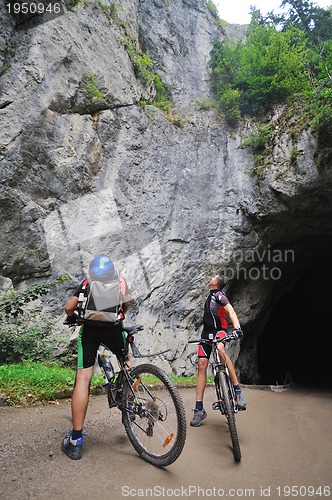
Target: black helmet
[(102, 269)]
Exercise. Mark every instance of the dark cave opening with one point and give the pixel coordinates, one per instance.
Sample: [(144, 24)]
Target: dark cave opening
[(294, 345)]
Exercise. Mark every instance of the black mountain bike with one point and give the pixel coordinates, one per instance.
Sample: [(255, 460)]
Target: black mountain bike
[(226, 398), (153, 414)]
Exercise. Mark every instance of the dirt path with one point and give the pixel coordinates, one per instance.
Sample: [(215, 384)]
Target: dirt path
[(286, 441)]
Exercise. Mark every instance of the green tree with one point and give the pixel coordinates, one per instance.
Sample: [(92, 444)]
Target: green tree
[(315, 21), (267, 69), (273, 67), (225, 64)]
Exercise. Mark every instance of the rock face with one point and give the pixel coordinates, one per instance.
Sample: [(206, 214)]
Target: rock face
[(86, 169)]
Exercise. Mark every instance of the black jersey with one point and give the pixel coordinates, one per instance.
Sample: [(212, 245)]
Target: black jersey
[(214, 318)]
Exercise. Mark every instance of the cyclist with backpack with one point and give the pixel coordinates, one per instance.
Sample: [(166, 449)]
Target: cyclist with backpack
[(216, 308), (99, 304)]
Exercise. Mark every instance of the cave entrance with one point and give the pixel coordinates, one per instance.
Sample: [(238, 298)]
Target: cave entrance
[(294, 345)]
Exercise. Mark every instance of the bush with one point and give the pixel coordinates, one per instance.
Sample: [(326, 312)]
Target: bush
[(25, 334), (322, 126), (229, 104), (259, 139), (33, 340)]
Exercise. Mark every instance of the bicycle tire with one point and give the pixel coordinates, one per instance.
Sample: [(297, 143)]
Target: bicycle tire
[(156, 426), (227, 406)]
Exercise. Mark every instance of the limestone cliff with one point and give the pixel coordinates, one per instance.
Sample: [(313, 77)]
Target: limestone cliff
[(87, 169)]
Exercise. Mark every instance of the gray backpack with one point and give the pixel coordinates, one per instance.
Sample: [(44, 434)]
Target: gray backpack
[(103, 302)]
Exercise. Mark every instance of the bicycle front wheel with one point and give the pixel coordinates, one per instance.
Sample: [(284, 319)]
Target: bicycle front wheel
[(153, 415), (227, 406)]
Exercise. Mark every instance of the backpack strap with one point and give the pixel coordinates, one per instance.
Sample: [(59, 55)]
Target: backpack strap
[(82, 299)]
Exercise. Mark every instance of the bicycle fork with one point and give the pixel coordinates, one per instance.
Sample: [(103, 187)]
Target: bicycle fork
[(219, 404)]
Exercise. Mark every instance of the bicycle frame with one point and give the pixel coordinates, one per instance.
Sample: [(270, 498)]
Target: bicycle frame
[(116, 380)]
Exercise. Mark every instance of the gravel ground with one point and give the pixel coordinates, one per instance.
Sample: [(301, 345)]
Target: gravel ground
[(285, 438)]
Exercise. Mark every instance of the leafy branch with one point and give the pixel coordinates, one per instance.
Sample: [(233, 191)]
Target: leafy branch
[(13, 301)]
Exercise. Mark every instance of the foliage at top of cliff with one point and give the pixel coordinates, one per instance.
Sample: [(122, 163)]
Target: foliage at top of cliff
[(284, 58)]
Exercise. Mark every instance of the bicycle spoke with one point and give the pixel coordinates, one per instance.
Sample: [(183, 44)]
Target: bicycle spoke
[(155, 419)]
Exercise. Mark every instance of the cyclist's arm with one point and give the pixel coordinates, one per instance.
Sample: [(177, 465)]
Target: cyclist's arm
[(232, 315), (126, 303), (125, 294), (71, 305)]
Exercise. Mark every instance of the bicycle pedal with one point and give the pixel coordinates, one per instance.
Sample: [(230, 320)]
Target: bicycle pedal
[(218, 406)]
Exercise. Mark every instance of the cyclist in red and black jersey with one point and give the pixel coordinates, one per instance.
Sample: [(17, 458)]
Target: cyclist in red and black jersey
[(216, 310)]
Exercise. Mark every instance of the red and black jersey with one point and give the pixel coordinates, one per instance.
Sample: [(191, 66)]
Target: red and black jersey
[(214, 318)]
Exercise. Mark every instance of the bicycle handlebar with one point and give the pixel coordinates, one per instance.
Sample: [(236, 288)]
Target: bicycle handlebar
[(132, 329), (228, 338), (127, 329)]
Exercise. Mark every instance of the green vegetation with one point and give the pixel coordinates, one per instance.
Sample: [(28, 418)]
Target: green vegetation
[(260, 143), (72, 4), (270, 67), (205, 104), (214, 11), (4, 69), (33, 381), (30, 338), (93, 92), (284, 59), (29, 382), (24, 333), (12, 302), (142, 64), (212, 8)]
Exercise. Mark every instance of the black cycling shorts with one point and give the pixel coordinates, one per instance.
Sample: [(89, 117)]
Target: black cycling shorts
[(204, 349), (90, 338)]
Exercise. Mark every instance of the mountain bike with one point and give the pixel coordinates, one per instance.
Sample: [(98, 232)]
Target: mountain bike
[(226, 398), (153, 414)]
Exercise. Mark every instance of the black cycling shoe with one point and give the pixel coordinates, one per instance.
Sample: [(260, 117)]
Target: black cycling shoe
[(73, 451)]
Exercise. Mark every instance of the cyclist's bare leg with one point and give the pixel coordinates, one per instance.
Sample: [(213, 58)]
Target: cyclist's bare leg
[(201, 378), (224, 358), (80, 398), (128, 361)]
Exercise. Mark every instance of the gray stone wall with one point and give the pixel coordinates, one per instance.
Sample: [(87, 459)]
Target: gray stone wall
[(170, 204)]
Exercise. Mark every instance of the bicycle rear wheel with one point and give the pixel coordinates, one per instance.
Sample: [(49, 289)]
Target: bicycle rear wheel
[(156, 423), (227, 407)]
